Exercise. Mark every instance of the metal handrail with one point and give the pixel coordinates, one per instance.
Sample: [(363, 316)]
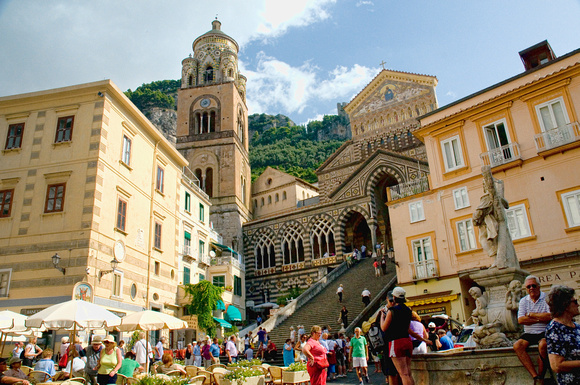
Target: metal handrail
[(557, 137), (501, 155), (430, 267), (412, 187)]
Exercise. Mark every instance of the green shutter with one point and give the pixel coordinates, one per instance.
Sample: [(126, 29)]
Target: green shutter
[(187, 235), (186, 275)]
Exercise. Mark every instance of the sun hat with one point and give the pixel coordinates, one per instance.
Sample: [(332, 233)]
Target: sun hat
[(14, 360), (109, 338), (96, 340)]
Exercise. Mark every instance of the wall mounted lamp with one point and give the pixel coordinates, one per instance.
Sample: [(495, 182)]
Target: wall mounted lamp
[(55, 262), (114, 264)]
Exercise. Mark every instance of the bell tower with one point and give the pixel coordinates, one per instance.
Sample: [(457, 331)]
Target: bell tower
[(212, 130)]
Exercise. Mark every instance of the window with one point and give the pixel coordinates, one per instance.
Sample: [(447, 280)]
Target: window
[(14, 138), (270, 199), (571, 202), (5, 275), (201, 212), (157, 240), (219, 280), (452, 156), (187, 202), (64, 129), (117, 287), (466, 235), (237, 285), (292, 245), (424, 262), (496, 135), (201, 249), (186, 275), (187, 243), (322, 239), (277, 198), (159, 183), (264, 252), (201, 277), (243, 188), (284, 197), (121, 214), (6, 202), (55, 198), (517, 220), (552, 114), (126, 156), (416, 211), (157, 268), (460, 198)]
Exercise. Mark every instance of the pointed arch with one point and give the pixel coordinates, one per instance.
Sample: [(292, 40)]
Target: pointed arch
[(322, 236), (264, 250)]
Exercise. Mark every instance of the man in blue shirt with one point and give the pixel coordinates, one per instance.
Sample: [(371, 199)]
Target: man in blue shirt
[(214, 349), (446, 342)]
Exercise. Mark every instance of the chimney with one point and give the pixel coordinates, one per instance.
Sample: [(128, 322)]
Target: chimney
[(537, 55)]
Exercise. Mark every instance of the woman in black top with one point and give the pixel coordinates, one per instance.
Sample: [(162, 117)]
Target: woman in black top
[(344, 316)]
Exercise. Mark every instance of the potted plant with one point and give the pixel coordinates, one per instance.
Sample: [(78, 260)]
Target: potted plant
[(295, 373), (243, 375)]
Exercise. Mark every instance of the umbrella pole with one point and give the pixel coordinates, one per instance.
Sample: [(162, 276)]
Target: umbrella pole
[(3, 340), (147, 351)]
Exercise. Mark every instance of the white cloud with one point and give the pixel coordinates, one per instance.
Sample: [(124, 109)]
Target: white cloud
[(363, 2), (277, 87), (451, 94)]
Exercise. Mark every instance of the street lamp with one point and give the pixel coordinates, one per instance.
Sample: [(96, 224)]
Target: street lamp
[(55, 262), (114, 264)]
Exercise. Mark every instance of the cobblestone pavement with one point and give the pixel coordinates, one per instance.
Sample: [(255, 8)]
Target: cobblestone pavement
[(351, 379)]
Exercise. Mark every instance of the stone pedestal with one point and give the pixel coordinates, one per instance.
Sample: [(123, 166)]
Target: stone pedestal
[(496, 282)]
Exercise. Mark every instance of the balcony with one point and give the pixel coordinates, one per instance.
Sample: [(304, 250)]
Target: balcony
[(501, 156), (408, 189), (203, 259), (227, 260), (558, 139), (424, 269)]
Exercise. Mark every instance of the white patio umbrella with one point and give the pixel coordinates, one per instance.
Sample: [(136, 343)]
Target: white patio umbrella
[(74, 315), (10, 322), (148, 320), (267, 305)]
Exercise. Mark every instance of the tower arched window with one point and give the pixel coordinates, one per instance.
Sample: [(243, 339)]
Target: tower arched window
[(208, 76), (243, 188), (190, 80), (255, 203), (264, 252), (197, 125), (212, 121), (262, 202), (322, 239), (199, 176), (269, 199), (231, 73), (276, 197), (292, 245), (395, 141), (284, 196), (241, 125)]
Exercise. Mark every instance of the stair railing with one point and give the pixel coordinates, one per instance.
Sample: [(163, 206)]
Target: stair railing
[(375, 302), (302, 299)]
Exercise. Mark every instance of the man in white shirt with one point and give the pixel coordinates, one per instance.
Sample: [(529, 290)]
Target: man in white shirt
[(141, 349), (366, 297), (159, 349), (231, 350), (339, 292), (534, 314)]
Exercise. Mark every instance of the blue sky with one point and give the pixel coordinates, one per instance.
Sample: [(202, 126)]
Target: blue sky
[(301, 57)]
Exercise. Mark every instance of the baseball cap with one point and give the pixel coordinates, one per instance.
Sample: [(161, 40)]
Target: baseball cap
[(431, 324), (399, 292)]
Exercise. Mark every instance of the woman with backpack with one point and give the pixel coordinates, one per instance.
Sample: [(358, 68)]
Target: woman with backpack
[(31, 352)]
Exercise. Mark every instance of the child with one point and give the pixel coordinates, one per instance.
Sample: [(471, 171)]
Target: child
[(249, 353), (46, 364)]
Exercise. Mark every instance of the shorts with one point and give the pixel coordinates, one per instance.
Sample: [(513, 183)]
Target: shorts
[(533, 339), (359, 362), (331, 368), (399, 348), (340, 359)]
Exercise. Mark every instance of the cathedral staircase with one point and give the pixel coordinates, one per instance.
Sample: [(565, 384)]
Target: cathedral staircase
[(324, 308)]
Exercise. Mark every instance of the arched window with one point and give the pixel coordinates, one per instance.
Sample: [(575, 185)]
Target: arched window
[(209, 181), (276, 197), (369, 148), (231, 73), (212, 121), (255, 203), (190, 80), (395, 141), (269, 199), (241, 125), (197, 124), (284, 197), (204, 123), (262, 202), (292, 245), (199, 176), (208, 76), (243, 188), (264, 252), (322, 239)]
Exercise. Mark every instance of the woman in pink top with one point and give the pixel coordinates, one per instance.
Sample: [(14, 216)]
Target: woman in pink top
[(316, 355)]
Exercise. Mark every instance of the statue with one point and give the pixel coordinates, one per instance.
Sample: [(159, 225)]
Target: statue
[(513, 295), (490, 336), (480, 313), (490, 217)]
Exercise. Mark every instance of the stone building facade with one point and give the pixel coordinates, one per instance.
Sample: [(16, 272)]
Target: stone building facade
[(297, 246)]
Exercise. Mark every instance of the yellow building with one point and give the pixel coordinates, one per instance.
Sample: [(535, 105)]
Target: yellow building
[(526, 129), (88, 182)]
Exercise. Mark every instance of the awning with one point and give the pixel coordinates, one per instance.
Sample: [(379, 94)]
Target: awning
[(427, 301), (233, 314), (224, 247), (220, 305), (223, 323)]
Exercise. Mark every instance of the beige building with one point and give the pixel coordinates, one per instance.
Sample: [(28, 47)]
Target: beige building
[(526, 129), (88, 182)]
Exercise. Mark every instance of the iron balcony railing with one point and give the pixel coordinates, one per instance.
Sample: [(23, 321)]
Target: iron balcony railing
[(424, 269), (557, 137), (412, 187), (501, 155), (227, 260)]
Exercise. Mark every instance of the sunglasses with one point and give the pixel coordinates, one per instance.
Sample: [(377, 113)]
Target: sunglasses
[(531, 286)]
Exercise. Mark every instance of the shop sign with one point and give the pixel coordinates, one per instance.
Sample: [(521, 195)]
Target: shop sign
[(433, 310), (29, 312)]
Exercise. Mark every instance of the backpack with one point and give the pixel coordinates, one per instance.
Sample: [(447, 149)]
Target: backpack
[(376, 339), (339, 348)]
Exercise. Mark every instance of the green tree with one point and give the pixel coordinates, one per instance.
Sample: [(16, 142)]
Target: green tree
[(204, 298)]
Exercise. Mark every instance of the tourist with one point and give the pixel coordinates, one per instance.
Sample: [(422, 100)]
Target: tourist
[(129, 365), (15, 371), (563, 335), (300, 331), (344, 316), (215, 351), (93, 355), (288, 353), (340, 357), (259, 320), (79, 347), (141, 349), (249, 353), (433, 338), (167, 365), (261, 338), (534, 314), (366, 297), (292, 334), (196, 353), (316, 356), (331, 357), (387, 365), (419, 347), (5, 379), (31, 352), (77, 363), (46, 364), (363, 251), (122, 347), (206, 353), (302, 356), (446, 343), (454, 335), (359, 354), (158, 349), (271, 351), (378, 253), (18, 348), (384, 265), (347, 353), (395, 322), (247, 340), (339, 292), (110, 362), (231, 350), (189, 357), (62, 352), (377, 268)]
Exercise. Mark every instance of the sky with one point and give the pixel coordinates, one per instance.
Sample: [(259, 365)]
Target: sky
[(301, 57)]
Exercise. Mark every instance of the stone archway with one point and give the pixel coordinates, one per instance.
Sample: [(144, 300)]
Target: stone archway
[(356, 232), (376, 187)]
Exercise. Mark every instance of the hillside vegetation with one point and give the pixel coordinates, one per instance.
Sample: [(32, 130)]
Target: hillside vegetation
[(275, 140)]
